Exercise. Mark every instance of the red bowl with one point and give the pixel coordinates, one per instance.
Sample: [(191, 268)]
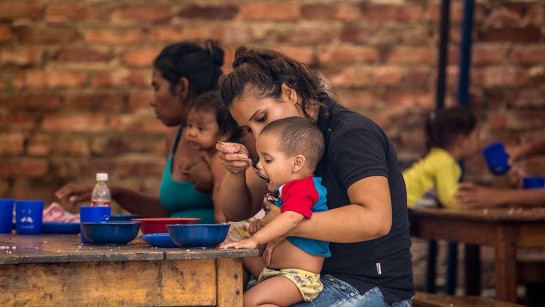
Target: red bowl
[(159, 225)]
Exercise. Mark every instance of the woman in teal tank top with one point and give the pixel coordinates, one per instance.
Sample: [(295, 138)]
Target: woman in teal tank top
[(181, 72), (181, 198)]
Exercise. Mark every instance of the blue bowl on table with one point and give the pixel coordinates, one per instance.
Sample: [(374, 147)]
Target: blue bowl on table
[(198, 235), (158, 240), (110, 233), (123, 217)]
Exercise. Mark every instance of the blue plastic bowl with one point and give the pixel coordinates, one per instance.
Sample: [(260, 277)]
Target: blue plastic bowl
[(123, 217), (110, 233), (158, 239), (198, 235)]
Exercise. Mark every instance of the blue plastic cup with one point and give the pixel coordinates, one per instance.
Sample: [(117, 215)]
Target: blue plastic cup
[(496, 157), (533, 182), (6, 215), (93, 214), (28, 216)]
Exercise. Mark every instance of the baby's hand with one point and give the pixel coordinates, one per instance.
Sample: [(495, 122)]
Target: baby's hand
[(255, 226)]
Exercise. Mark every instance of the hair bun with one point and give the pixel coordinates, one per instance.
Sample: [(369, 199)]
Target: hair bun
[(215, 52)]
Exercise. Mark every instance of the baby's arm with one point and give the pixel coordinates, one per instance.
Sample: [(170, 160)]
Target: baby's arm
[(218, 172), (279, 227)]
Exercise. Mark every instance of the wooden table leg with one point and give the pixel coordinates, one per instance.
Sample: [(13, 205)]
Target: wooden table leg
[(229, 285), (472, 269), (506, 261)]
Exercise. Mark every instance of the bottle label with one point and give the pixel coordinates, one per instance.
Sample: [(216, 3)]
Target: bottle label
[(100, 203)]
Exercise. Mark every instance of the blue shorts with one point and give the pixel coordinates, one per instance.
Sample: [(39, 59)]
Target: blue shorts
[(337, 293)]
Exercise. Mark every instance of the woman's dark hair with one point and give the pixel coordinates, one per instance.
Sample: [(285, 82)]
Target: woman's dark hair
[(200, 65), (211, 102), (444, 125), (264, 71)]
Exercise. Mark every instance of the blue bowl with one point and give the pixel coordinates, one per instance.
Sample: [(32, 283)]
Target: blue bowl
[(110, 233), (198, 235), (158, 239), (123, 217)]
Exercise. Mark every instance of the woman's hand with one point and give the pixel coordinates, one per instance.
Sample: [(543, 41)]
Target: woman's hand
[(235, 157), (72, 194)]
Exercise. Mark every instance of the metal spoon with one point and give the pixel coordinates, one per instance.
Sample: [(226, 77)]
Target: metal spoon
[(254, 166)]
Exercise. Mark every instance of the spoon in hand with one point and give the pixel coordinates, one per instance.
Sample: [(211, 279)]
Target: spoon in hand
[(254, 166)]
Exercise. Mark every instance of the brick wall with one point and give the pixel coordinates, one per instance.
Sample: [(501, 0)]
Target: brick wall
[(74, 75)]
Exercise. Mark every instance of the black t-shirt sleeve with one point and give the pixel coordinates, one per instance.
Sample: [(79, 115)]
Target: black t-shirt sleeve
[(357, 150)]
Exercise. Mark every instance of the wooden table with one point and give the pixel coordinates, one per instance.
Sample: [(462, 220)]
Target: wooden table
[(56, 270), (504, 229)]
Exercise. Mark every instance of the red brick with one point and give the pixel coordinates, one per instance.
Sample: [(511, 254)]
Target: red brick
[(221, 12), (357, 99), (46, 35), (174, 34), (140, 57), (138, 122), (525, 120), (386, 75), (483, 54), (121, 77), (407, 99), (72, 146), (352, 76), (142, 14), (113, 36), (346, 54), (537, 76), (418, 77), (304, 35), (348, 12), (324, 12), (415, 35), (529, 98), (39, 145), (394, 12), (356, 34), (236, 34), (528, 54), (113, 102), (524, 34), (301, 54), (139, 166), (140, 100), (16, 9), (269, 11), (537, 15), (12, 144), (29, 168), (19, 121), (55, 79), (74, 122), (31, 101), (508, 15), (5, 34), (83, 54), (412, 55), (21, 56), (115, 145), (59, 12), (501, 76)]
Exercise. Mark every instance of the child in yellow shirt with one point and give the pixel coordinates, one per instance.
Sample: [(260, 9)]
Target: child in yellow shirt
[(452, 135)]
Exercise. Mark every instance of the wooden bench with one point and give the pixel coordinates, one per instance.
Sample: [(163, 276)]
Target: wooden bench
[(424, 299)]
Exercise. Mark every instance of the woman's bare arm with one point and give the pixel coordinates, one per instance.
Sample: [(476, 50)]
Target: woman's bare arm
[(369, 216)]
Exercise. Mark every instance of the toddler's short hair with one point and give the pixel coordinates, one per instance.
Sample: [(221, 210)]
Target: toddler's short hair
[(298, 135)]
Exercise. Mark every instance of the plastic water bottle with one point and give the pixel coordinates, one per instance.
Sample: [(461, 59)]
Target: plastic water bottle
[(101, 193)]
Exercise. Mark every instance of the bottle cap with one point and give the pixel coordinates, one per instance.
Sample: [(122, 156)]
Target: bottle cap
[(102, 176)]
